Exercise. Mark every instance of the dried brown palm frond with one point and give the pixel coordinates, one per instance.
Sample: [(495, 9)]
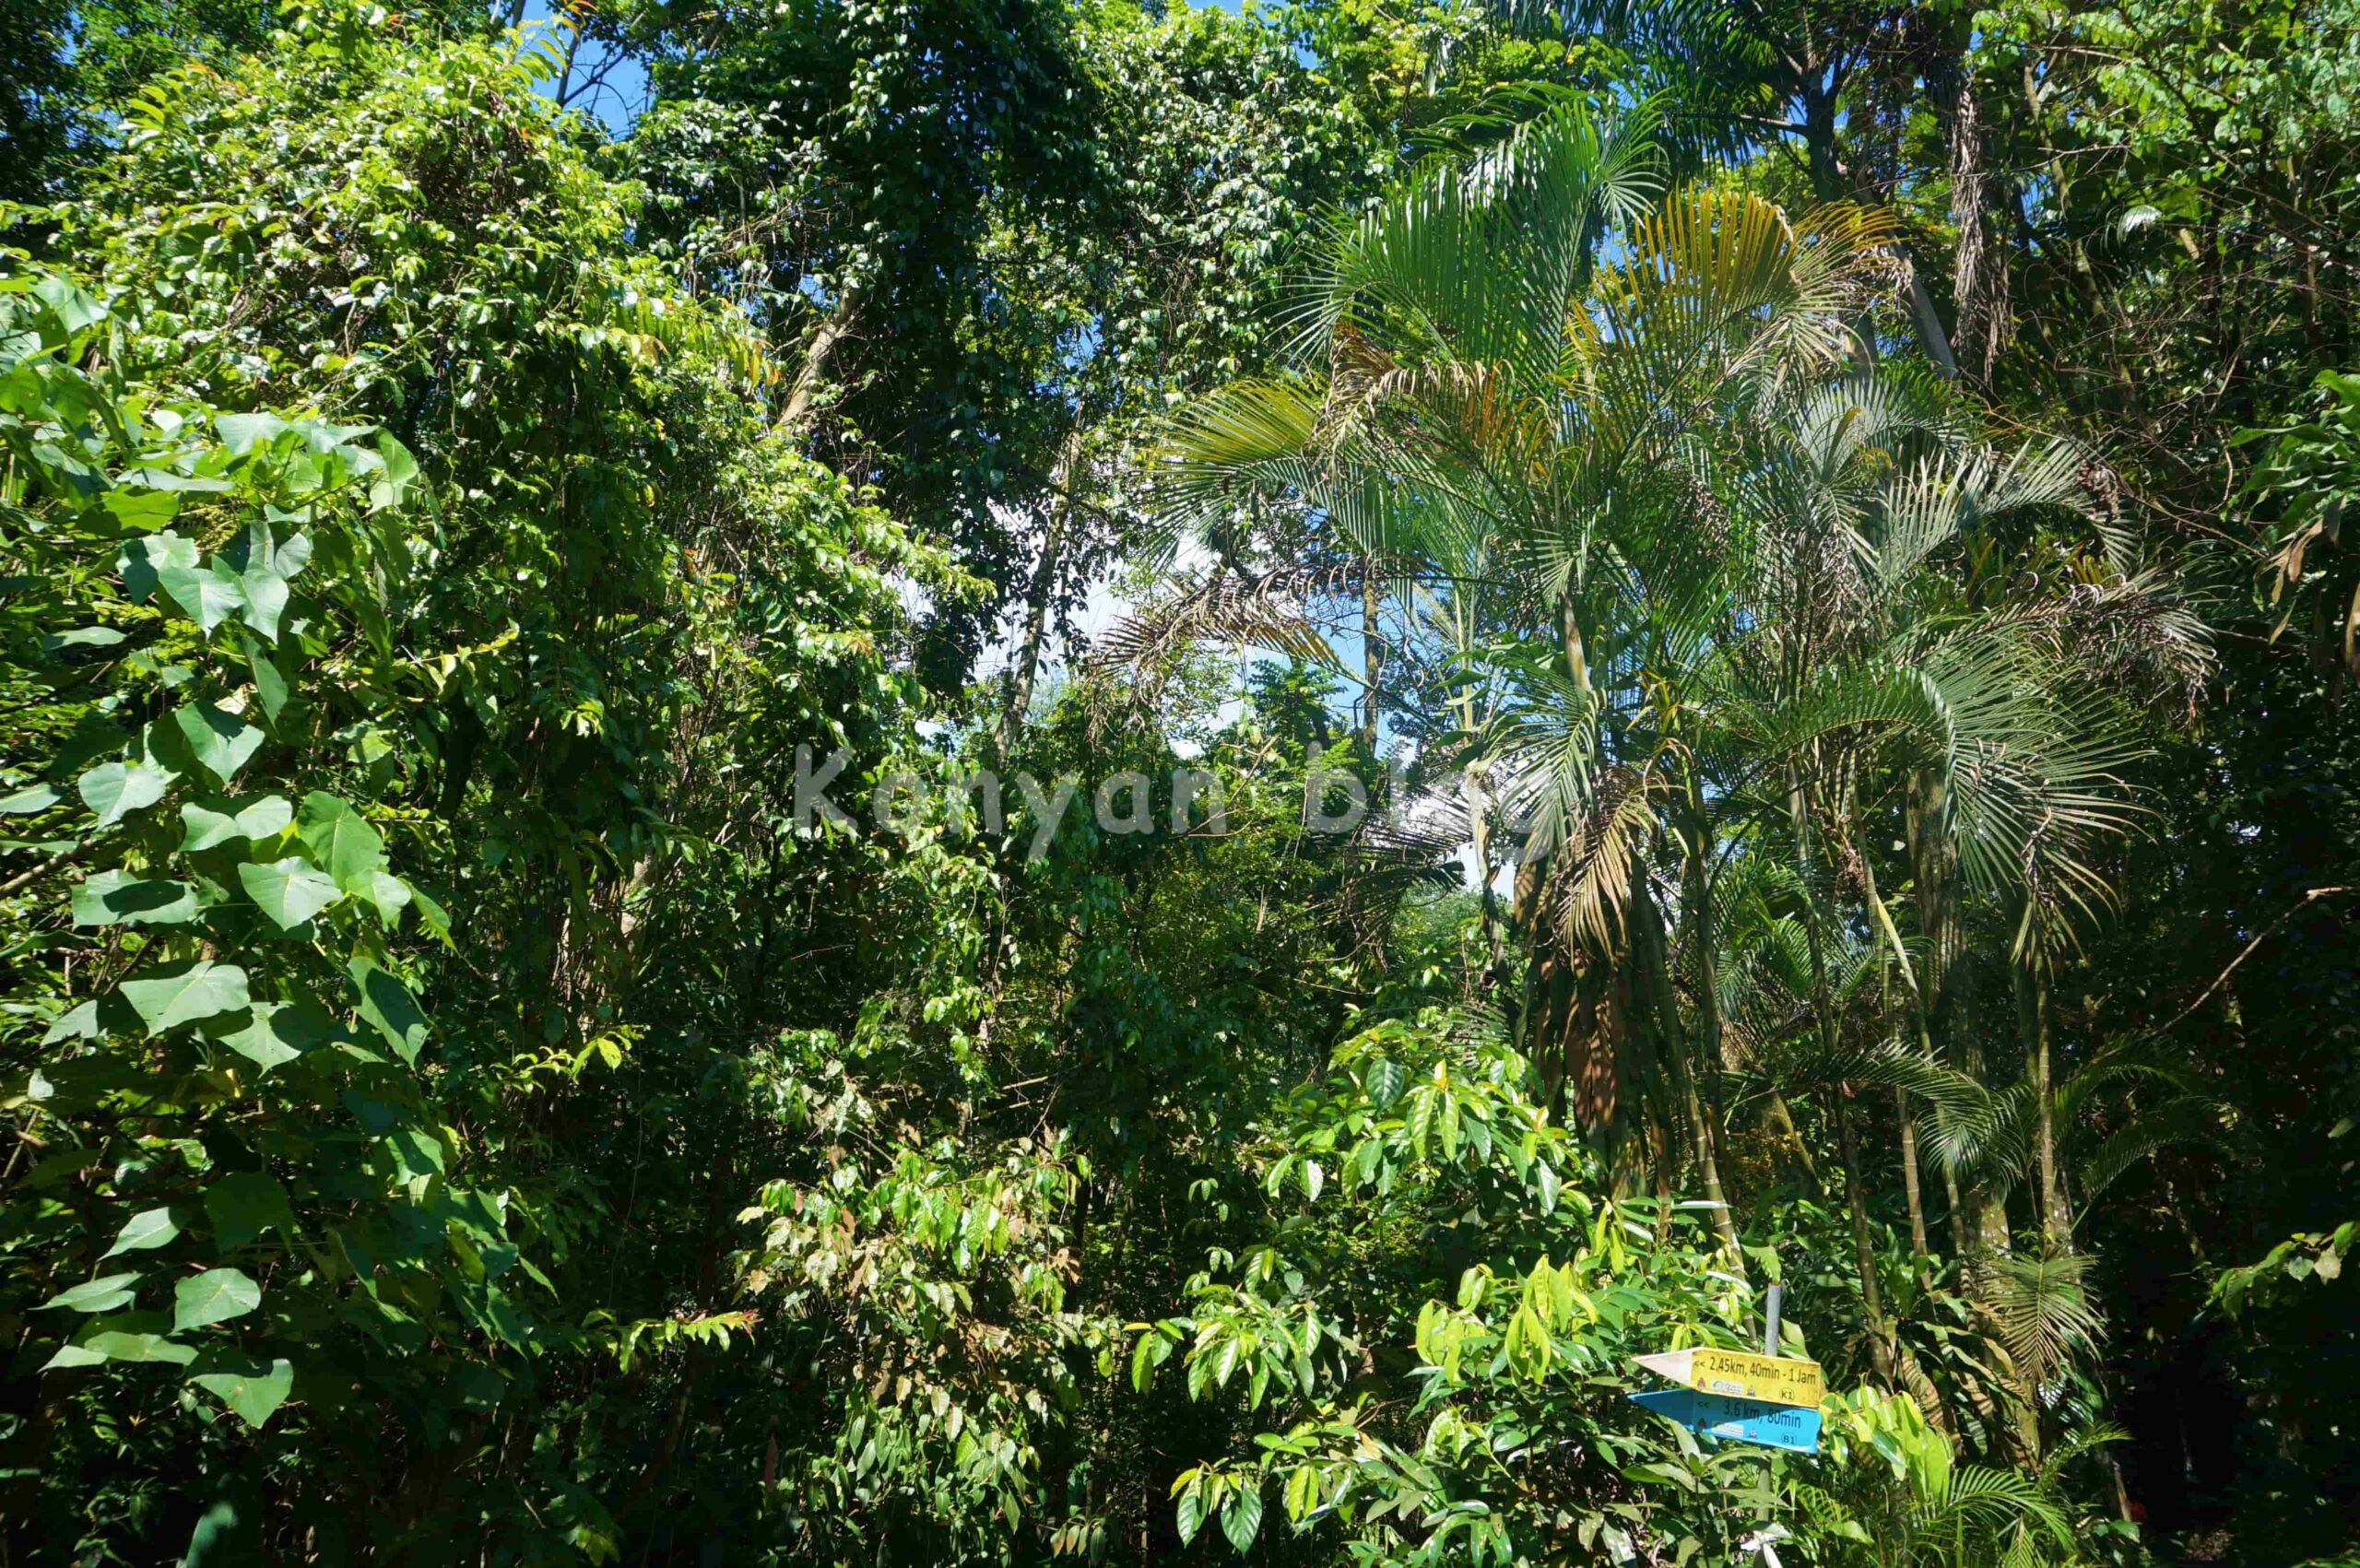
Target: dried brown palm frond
[(1271, 611)]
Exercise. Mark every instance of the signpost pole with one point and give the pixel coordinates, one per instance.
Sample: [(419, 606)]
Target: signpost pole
[(1770, 1324)]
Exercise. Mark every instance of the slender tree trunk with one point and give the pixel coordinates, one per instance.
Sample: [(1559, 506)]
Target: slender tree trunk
[(1831, 181), (821, 345), (1044, 587), (2033, 1015), (1864, 1252), (1650, 950), (1909, 1181), (1372, 653)]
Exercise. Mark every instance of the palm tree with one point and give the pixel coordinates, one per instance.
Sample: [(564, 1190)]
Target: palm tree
[(1695, 555)]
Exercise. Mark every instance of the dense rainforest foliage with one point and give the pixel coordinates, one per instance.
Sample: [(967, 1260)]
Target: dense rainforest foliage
[(1731, 663)]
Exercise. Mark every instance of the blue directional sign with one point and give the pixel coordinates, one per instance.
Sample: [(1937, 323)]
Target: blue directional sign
[(1743, 1420)]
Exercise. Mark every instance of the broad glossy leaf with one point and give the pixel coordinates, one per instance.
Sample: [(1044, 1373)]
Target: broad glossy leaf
[(220, 740), (118, 898), (209, 595), (104, 1294), (341, 841), (252, 1394), (85, 637), (1241, 1516), (149, 1229), (264, 591), (214, 822), (290, 890), (35, 797), (389, 893), (142, 562), (214, 1296), (244, 1204), (386, 1004), (118, 1346), (185, 991), (260, 1042), (113, 789)]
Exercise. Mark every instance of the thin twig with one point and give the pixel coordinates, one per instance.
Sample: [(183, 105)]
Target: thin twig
[(2263, 936)]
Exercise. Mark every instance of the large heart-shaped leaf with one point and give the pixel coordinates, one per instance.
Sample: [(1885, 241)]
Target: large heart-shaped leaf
[(142, 562), (214, 1296), (387, 1003), (220, 740), (244, 1204), (149, 1229), (118, 898), (209, 595), (183, 993), (253, 1394), (260, 1042), (113, 789), (290, 890), (212, 823), (342, 841), (104, 1294)]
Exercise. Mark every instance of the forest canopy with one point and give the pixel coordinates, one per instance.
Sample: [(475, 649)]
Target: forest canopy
[(988, 782)]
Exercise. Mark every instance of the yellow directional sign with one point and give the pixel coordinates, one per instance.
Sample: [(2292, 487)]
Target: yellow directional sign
[(1781, 1379)]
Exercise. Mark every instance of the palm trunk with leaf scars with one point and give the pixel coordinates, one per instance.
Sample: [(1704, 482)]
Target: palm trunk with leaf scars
[(1696, 900), (2032, 1020), (1864, 1253)]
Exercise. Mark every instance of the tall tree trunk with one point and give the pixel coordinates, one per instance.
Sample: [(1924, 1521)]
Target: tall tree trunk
[(1909, 1180), (817, 350), (1880, 918), (1042, 588), (2033, 1018), (1831, 181), (1650, 953), (1372, 653), (1979, 264), (1864, 1252)]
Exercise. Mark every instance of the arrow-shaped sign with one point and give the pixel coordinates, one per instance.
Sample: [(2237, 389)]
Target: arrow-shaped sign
[(1743, 1421), (1781, 1379)]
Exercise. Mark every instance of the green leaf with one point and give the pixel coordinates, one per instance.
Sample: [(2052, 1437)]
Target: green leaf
[(118, 898), (400, 471), (290, 892), (270, 682), (85, 637), (214, 822), (147, 1229), (209, 595), (214, 1296), (253, 1394), (389, 893), (265, 592), (112, 789), (94, 1295), (243, 432), (1385, 1081), (118, 1346), (221, 741), (142, 508), (415, 1153), (260, 1042), (36, 798), (341, 841), (184, 992), (142, 562), (386, 1004), (244, 1204), (1241, 1516)]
